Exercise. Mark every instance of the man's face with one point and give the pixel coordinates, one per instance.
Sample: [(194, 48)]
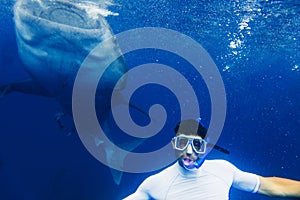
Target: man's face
[(188, 148)]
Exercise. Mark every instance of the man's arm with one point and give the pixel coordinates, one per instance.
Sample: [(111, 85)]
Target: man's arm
[(137, 195), (142, 191), (279, 187)]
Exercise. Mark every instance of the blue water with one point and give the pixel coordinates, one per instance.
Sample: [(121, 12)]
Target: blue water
[(256, 47)]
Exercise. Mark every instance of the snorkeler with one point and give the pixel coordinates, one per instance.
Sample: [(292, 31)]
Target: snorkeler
[(193, 177)]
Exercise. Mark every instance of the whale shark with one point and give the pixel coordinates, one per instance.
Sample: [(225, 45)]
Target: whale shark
[(53, 38)]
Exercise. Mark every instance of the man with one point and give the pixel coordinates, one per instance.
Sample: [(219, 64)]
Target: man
[(193, 177)]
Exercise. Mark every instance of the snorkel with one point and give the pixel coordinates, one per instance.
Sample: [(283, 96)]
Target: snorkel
[(221, 149)]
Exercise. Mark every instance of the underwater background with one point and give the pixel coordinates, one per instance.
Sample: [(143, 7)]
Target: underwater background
[(255, 45)]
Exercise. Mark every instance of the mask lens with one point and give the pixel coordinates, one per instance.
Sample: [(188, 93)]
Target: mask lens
[(181, 143), (199, 145)]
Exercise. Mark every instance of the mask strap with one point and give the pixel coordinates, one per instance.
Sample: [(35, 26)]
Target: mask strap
[(221, 149)]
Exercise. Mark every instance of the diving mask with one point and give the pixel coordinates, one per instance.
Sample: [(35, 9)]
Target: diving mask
[(181, 143)]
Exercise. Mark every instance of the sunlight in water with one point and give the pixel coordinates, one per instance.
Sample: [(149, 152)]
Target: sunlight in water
[(92, 8)]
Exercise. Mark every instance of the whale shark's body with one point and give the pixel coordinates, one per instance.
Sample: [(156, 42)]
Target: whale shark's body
[(53, 38)]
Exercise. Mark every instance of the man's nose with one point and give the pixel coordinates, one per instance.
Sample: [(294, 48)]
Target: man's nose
[(189, 149)]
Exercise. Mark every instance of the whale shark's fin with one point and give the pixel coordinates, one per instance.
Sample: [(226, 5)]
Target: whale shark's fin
[(115, 157), (117, 175), (121, 100), (58, 119), (27, 86), (115, 160), (139, 109), (5, 89)]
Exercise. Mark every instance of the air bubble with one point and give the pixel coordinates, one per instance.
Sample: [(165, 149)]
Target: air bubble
[(296, 68)]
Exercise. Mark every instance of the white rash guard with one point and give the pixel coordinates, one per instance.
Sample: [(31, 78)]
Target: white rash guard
[(210, 182)]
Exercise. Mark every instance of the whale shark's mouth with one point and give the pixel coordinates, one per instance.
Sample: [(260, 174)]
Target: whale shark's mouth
[(55, 36), (68, 14), (83, 15)]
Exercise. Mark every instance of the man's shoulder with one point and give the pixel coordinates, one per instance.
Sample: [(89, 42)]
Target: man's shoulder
[(163, 176), (218, 164), (219, 169), (168, 170)]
